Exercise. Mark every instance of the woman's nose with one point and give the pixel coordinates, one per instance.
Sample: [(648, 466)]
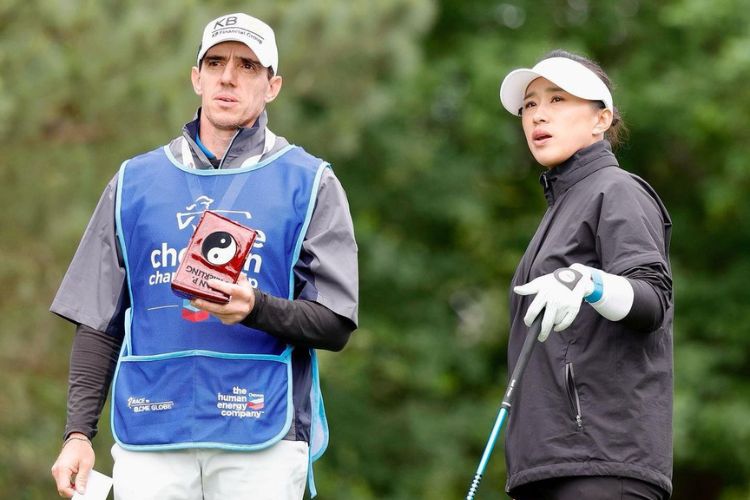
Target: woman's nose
[(540, 114)]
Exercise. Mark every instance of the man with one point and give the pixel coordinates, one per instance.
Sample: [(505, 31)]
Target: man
[(210, 401)]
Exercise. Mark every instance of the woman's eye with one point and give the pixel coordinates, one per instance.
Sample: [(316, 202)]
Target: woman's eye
[(557, 98), (529, 105)]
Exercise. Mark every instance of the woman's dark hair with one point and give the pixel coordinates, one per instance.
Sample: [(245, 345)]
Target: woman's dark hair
[(617, 132)]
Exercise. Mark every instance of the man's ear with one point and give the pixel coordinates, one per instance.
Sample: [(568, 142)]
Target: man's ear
[(195, 77), (274, 87)]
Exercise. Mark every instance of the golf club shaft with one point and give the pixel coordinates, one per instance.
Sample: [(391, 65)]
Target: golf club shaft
[(515, 378)]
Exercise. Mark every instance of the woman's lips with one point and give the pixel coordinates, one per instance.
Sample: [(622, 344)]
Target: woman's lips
[(540, 137)]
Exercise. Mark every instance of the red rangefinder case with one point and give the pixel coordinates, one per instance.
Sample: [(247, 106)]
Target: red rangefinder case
[(218, 249)]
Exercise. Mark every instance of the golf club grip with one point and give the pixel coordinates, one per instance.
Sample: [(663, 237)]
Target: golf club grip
[(474, 487), (523, 360)]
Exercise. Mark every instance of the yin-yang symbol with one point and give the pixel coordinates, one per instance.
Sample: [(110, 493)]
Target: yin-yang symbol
[(219, 248)]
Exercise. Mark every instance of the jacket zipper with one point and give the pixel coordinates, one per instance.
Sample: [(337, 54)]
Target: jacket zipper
[(570, 387), (231, 143)]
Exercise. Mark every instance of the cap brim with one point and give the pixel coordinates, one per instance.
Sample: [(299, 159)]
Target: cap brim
[(262, 58), (514, 87), (571, 76)]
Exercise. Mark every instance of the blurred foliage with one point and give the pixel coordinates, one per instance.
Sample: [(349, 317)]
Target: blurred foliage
[(402, 97)]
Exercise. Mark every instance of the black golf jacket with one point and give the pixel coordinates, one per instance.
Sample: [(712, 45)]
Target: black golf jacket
[(596, 399)]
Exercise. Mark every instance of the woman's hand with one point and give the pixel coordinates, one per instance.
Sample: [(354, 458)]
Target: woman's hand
[(560, 295)]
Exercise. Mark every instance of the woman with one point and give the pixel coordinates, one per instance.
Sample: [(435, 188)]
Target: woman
[(593, 417)]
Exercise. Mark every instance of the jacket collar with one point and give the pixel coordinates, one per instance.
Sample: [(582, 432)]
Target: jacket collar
[(583, 163), (247, 142)]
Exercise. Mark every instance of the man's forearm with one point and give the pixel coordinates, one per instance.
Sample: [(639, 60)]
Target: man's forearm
[(93, 359), (299, 322)]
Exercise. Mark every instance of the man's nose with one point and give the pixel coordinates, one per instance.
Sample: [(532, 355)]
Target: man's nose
[(229, 73)]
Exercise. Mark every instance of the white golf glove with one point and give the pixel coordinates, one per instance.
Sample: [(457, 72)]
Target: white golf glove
[(560, 295)]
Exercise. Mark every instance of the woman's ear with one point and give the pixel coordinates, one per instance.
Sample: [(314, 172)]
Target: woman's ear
[(604, 119)]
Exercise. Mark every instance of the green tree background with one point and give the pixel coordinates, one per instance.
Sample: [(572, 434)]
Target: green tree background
[(402, 97)]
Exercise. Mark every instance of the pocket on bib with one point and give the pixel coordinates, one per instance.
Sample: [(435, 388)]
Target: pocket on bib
[(152, 401), (243, 403), (202, 398)]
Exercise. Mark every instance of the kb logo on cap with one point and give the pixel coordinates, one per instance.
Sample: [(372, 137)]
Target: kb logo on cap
[(228, 21), (219, 248)]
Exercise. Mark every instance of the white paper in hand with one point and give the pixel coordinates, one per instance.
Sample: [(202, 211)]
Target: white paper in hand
[(97, 488)]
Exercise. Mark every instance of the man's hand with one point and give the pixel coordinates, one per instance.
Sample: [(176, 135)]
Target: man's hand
[(241, 300), (560, 295), (75, 459)]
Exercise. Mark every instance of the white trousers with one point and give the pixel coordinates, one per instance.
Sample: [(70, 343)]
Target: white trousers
[(276, 473)]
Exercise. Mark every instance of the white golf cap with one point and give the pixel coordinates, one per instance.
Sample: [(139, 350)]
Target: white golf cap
[(246, 29), (571, 76)]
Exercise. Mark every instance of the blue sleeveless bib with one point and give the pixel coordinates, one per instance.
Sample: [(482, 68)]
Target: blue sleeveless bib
[(183, 379)]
